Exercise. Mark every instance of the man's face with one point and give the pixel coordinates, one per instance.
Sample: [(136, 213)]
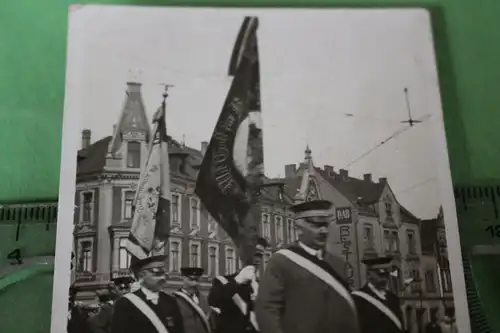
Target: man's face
[(314, 230), (153, 276), (257, 258), (379, 277), (191, 282)]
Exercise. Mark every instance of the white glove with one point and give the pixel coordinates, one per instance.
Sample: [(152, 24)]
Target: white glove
[(247, 274)]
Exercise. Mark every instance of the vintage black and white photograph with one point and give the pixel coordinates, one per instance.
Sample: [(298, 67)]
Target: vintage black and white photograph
[(255, 170)]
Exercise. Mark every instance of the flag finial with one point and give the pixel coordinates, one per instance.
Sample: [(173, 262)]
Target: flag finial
[(165, 92), (308, 153)]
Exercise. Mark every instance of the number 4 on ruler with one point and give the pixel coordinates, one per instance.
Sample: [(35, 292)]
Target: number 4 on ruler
[(16, 256)]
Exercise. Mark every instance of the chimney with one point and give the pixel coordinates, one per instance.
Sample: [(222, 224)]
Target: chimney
[(290, 170), (86, 138), (382, 180), (367, 177), (344, 174), (329, 170), (204, 146), (133, 87)]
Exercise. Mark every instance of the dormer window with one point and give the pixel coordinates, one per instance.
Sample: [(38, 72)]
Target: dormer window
[(134, 155), (388, 207)]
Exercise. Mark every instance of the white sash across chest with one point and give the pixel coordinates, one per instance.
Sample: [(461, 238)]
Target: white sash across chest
[(146, 311), (195, 306), (380, 306), (320, 273), (240, 303)]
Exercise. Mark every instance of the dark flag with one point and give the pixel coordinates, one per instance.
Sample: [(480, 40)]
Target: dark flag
[(151, 222), (232, 171)]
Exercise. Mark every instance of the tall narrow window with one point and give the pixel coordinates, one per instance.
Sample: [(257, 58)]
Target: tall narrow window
[(266, 226), (279, 229), (194, 255), (368, 237), (395, 241), (290, 231), (430, 283), (86, 256), (128, 202), (388, 209), (446, 278), (230, 261), (175, 208), (212, 226), (133, 155), (88, 200), (123, 255), (387, 241), (412, 246), (213, 258), (175, 256), (415, 286), (194, 215)]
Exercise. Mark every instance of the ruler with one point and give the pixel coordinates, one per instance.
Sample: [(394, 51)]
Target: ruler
[(478, 211), (27, 230)]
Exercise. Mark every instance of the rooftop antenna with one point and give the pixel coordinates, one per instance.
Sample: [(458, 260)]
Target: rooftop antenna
[(410, 120)]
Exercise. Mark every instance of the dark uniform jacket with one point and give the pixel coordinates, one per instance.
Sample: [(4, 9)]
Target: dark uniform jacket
[(101, 322), (233, 304), (77, 321), (300, 293), (128, 318), (193, 312), (375, 313)]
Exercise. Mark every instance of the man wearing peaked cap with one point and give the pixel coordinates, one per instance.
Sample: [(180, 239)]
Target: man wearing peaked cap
[(101, 322), (305, 274), (149, 309), (192, 303), (377, 306), (231, 297)]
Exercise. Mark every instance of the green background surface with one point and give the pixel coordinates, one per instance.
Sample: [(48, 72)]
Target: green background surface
[(32, 72)]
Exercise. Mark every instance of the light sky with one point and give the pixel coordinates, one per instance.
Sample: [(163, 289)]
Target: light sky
[(316, 66)]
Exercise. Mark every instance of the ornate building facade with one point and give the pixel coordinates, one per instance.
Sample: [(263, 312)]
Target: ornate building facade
[(369, 220), (107, 175)]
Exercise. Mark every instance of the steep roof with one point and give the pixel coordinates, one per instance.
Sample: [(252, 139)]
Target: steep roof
[(133, 116), (93, 159)]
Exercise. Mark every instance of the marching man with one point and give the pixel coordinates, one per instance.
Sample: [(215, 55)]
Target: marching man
[(149, 309), (377, 306), (101, 322), (301, 290), (192, 303), (232, 297)]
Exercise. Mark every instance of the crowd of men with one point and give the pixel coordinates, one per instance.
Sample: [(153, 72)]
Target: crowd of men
[(303, 290)]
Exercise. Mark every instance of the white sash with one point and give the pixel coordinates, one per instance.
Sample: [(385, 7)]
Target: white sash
[(319, 273), (195, 306), (146, 311), (380, 306), (241, 304)]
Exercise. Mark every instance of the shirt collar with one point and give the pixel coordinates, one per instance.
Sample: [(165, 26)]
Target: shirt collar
[(310, 250), (150, 295)]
